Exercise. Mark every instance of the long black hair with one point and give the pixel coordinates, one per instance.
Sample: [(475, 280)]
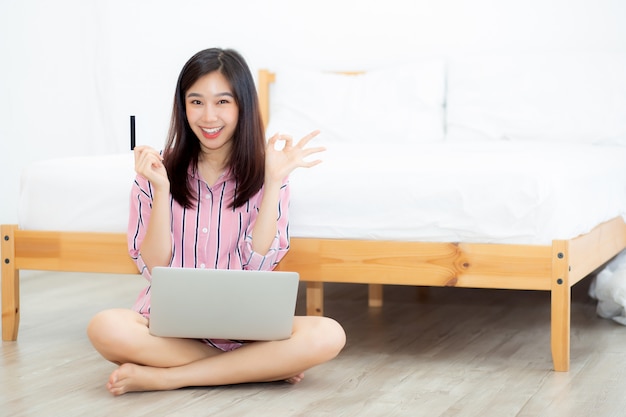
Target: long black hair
[(247, 158)]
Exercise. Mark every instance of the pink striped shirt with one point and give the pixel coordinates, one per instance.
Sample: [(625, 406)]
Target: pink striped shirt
[(210, 235)]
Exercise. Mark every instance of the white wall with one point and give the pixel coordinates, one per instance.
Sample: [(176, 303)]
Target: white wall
[(72, 71)]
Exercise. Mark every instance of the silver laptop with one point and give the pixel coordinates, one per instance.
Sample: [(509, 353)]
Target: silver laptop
[(222, 304)]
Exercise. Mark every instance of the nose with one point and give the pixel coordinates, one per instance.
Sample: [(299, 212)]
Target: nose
[(210, 113)]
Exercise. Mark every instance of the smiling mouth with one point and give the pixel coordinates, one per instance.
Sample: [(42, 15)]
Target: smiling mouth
[(211, 133)]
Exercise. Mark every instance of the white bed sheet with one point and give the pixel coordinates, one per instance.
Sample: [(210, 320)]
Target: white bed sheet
[(77, 194), (492, 192)]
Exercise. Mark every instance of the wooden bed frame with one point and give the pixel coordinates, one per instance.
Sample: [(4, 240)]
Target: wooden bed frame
[(555, 268)]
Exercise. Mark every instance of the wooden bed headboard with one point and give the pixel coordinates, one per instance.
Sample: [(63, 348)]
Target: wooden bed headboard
[(266, 78)]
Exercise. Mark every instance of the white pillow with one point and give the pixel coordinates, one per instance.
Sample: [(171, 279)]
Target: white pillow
[(579, 98), (394, 105)]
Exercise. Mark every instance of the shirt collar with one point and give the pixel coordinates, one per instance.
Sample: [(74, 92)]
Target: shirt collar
[(194, 174)]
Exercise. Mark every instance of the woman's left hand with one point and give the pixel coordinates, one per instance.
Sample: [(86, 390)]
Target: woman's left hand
[(279, 163)]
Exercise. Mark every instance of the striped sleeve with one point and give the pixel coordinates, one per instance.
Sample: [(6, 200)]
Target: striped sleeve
[(256, 261), (138, 218)]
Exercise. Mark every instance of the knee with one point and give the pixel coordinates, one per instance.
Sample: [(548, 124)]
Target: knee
[(101, 328), (329, 338), (105, 331)]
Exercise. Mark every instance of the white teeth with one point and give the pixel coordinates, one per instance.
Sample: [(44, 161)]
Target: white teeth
[(214, 130)]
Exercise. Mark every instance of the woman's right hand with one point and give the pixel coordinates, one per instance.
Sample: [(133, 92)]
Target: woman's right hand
[(155, 249), (149, 164)]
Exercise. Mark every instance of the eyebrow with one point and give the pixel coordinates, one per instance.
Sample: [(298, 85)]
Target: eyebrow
[(216, 95)]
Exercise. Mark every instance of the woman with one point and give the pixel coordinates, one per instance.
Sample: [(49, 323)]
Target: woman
[(216, 198)]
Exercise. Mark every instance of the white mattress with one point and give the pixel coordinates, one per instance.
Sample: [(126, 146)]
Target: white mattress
[(493, 192), (77, 194)]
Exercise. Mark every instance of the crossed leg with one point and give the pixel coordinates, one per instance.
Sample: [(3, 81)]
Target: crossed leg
[(154, 363)]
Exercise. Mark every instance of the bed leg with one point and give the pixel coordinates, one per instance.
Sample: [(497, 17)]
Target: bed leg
[(375, 295), (10, 285), (561, 301), (315, 298)]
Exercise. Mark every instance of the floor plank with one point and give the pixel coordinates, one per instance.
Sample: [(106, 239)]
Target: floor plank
[(459, 352)]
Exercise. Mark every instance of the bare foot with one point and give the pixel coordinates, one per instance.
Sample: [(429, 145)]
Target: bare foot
[(295, 379), (130, 377)]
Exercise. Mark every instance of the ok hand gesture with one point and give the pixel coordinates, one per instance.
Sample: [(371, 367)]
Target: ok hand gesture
[(279, 163)]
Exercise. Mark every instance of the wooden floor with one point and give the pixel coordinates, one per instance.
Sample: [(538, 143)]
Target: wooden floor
[(461, 352)]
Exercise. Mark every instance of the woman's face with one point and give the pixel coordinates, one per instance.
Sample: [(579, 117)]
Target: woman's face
[(212, 112)]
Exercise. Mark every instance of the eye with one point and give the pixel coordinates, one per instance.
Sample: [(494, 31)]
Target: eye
[(196, 102), (223, 101)]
